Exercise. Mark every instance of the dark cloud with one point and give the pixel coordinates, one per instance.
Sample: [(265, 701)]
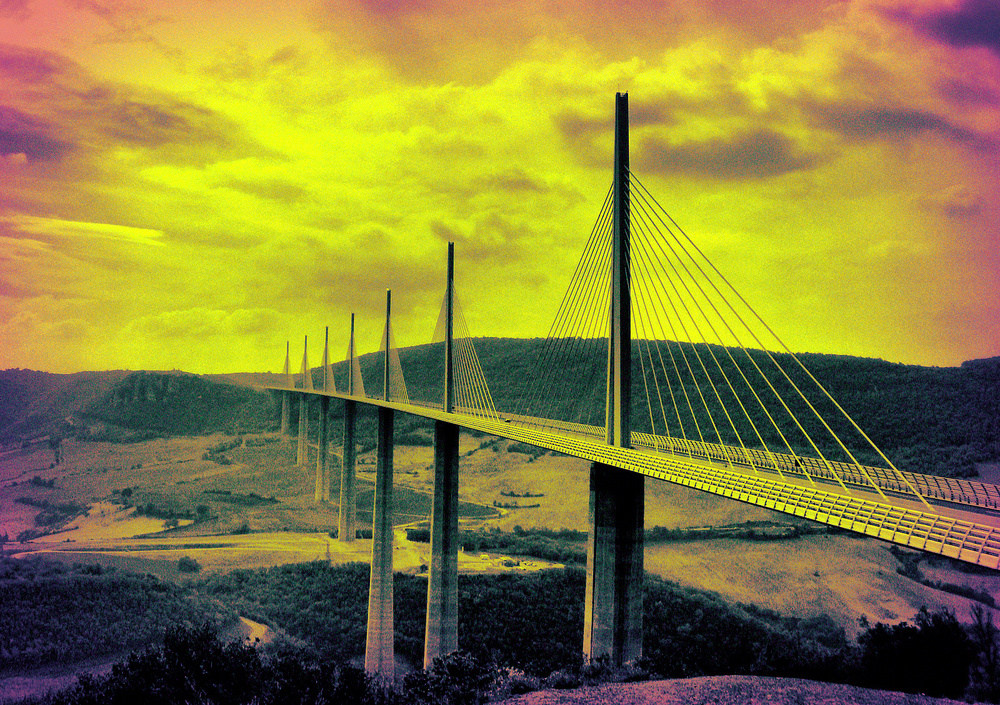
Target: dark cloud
[(158, 121), (20, 65), (589, 136), (876, 122), (273, 189), (749, 155), (512, 181), (128, 23), (958, 202), (973, 23), (84, 112), (23, 134), (966, 94)]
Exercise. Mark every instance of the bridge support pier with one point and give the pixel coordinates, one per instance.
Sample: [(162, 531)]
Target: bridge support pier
[(322, 493), (285, 413), (441, 631), (302, 456), (613, 604), (379, 651), (347, 526)]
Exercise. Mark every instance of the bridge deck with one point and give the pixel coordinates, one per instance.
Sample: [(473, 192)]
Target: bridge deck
[(956, 533)]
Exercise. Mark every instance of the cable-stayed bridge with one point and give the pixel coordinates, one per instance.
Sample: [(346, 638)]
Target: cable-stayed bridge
[(655, 367)]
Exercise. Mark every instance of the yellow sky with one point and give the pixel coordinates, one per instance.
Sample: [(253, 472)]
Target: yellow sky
[(190, 184)]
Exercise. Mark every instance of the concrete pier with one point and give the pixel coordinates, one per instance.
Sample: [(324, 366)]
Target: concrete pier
[(322, 493), (613, 605), (302, 454), (379, 651), (347, 527), (441, 635)]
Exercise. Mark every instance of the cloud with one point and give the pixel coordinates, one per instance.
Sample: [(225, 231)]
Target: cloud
[(957, 201), (83, 112), (199, 322), (747, 155), (442, 41), (21, 133), (972, 23), (966, 93), (54, 228), (879, 122), (274, 189)]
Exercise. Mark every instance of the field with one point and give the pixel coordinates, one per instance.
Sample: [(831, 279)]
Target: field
[(259, 511), (143, 506)]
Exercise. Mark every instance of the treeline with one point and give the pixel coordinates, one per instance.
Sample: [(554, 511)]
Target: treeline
[(519, 632), (567, 546), (53, 613), (935, 420), (562, 546), (533, 623), (184, 404), (927, 419)]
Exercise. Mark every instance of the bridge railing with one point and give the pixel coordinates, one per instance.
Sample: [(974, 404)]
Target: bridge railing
[(956, 490)]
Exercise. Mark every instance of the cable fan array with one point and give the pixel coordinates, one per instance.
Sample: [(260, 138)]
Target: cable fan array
[(472, 393), (397, 385), (710, 385)]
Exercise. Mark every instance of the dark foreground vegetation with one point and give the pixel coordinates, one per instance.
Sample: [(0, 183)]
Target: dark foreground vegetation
[(517, 633), (53, 613)]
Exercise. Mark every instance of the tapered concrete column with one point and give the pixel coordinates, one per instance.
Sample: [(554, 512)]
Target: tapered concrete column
[(379, 652), (612, 618), (285, 413), (302, 457), (441, 633), (348, 487), (322, 493)]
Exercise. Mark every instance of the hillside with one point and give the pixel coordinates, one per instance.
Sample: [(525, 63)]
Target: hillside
[(935, 420), (126, 406)]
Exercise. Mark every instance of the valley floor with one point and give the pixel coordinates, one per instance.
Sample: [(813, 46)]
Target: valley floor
[(259, 512)]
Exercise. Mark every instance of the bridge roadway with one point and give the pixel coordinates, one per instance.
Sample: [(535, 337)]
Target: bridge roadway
[(773, 481)]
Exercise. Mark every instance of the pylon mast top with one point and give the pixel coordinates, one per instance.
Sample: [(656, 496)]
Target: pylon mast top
[(619, 399)]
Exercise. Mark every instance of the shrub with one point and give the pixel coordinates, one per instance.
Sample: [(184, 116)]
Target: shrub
[(186, 564)]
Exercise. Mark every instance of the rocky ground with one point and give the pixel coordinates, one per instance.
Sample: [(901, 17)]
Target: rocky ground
[(725, 690)]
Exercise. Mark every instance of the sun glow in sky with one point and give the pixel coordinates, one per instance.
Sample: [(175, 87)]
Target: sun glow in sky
[(190, 183)]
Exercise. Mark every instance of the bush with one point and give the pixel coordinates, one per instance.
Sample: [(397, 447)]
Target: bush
[(186, 564), (455, 679), (931, 656)]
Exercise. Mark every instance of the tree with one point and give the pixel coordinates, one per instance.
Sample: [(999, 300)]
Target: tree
[(931, 656), (185, 564), (984, 676)]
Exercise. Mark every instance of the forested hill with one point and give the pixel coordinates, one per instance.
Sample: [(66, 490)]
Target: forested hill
[(936, 420), (127, 406)]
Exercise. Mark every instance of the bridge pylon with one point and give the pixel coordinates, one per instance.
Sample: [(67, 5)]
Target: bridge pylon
[(613, 604), (302, 456), (322, 492), (379, 650), (347, 524), (441, 628)]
